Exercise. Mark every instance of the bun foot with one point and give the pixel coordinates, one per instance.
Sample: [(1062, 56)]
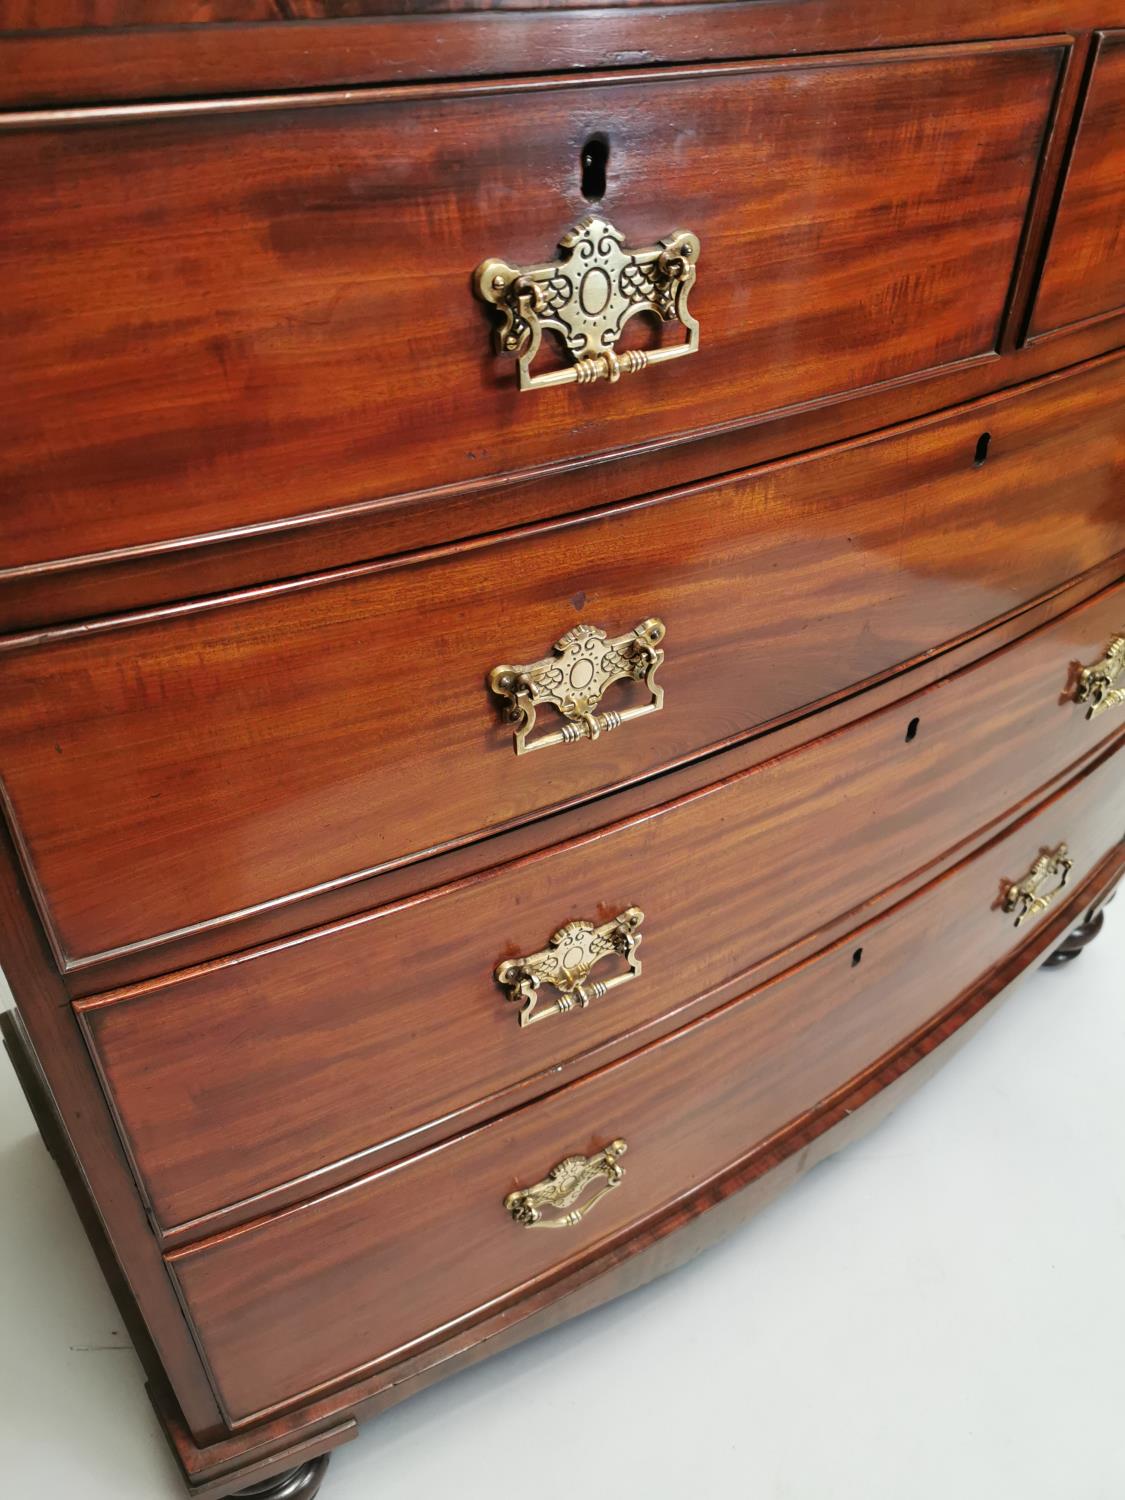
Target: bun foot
[(1071, 946), (301, 1483)]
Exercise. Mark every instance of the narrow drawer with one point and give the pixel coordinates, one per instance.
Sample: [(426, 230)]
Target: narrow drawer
[(306, 728), (266, 312), (1084, 272), (327, 1290), (377, 1032)]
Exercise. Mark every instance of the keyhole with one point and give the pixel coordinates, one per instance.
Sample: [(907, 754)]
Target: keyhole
[(912, 729), (857, 958), (982, 449), (594, 159)]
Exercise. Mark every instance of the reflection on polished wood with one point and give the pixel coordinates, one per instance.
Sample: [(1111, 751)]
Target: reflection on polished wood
[(281, 716), (310, 341), (433, 1026), (274, 506)]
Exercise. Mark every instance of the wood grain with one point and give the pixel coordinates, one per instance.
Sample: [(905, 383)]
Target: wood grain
[(374, 1037), (298, 1301), (308, 725), (242, 353), (284, 323), (45, 66), (1084, 274), (47, 1045), (46, 594), (218, 1468), (70, 15)]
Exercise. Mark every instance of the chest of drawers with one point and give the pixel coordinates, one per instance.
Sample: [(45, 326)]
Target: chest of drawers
[(552, 562)]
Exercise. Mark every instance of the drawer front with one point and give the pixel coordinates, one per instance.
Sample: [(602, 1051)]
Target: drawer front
[(306, 727), (385, 1027), (308, 1296), (255, 314), (1084, 273)]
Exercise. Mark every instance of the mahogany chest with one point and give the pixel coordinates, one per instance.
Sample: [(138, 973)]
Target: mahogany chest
[(562, 631)]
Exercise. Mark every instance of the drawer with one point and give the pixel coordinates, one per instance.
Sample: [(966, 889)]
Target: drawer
[(303, 728), (378, 1032), (265, 310), (1084, 272), (329, 1289)]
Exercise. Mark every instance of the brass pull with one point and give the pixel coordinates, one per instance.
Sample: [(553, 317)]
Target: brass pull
[(566, 962), (1096, 683), (587, 297), (573, 680), (1027, 898), (563, 1184)]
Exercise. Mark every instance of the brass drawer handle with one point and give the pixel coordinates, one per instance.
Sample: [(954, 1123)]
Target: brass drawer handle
[(563, 1184), (565, 965), (587, 297), (573, 680), (1028, 898), (1096, 683)]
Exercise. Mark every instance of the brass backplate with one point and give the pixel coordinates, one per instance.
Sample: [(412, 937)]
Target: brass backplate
[(587, 296), (572, 681)]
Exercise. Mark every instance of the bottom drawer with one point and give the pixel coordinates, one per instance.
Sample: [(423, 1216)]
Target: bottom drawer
[(320, 1292)]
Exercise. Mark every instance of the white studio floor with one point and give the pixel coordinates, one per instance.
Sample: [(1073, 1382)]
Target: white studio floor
[(936, 1314)]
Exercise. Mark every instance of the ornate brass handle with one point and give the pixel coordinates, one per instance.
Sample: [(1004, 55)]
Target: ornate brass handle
[(563, 1184), (587, 297), (566, 962), (1097, 683), (1028, 898), (573, 680)]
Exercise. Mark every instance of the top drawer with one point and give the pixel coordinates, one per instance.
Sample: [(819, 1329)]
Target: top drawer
[(1084, 275), (218, 316)]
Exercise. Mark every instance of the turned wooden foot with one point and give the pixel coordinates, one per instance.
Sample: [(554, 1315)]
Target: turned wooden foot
[(1073, 945), (301, 1483)]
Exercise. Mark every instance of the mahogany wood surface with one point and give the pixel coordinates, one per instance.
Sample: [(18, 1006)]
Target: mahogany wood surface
[(1084, 275), (665, 1242), (284, 323), (55, 15), (376, 1036), (336, 903), (110, 583), (119, 56), (297, 1301), (51, 1048), (271, 508), (307, 725), (301, 1483), (1077, 941)]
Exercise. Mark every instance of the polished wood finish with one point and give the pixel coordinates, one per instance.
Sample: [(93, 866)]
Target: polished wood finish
[(46, 65), (334, 904), (667, 1242), (292, 1304), (59, 1143), (114, 583), (1084, 275), (1076, 941), (261, 454), (282, 717), (70, 1109), (314, 343), (1080, 938), (302, 1483), (405, 996)]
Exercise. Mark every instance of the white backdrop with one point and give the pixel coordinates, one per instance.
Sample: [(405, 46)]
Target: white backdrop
[(936, 1314)]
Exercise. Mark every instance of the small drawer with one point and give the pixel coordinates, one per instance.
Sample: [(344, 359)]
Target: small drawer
[(378, 1032), (325, 1291), (257, 314), (1084, 272), (319, 731)]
